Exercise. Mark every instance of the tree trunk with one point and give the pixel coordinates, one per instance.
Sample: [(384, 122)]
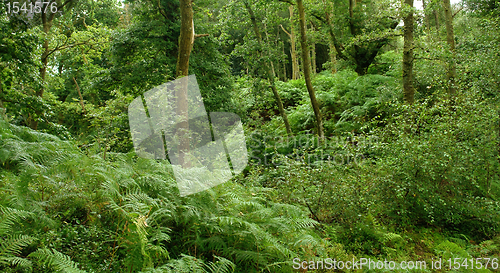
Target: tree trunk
[(436, 18), (450, 38), (313, 54), (295, 61), (186, 39), (351, 17), (269, 71), (46, 25), (284, 66), (408, 90), (3, 111), (44, 58), (307, 72)]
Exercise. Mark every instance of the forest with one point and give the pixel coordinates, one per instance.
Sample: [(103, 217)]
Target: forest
[(371, 130)]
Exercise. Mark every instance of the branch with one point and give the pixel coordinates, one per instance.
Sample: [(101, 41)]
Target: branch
[(287, 1), (69, 46), (63, 5), (80, 94), (319, 18), (162, 12), (56, 48), (200, 35), (285, 30), (453, 16)]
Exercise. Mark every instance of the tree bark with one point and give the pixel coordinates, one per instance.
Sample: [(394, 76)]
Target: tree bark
[(313, 53), (3, 111), (352, 28), (450, 38), (408, 90), (436, 18), (269, 71), (293, 49), (284, 66), (186, 39), (307, 70)]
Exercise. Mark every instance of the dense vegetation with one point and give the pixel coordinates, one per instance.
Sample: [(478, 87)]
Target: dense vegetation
[(379, 141)]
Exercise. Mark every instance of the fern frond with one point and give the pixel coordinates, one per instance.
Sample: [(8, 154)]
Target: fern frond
[(10, 217), (12, 245), (56, 260), (222, 265), (17, 261)]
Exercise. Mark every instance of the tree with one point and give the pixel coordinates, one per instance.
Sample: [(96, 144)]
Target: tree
[(306, 66), (293, 50), (408, 89), (186, 39), (450, 39), (270, 74), (47, 22), (364, 29)]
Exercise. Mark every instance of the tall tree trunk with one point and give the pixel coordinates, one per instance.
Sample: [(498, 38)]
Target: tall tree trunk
[(295, 61), (269, 71), (408, 90), (436, 18), (46, 25), (186, 39), (313, 53), (284, 66), (352, 3), (307, 70), (269, 42), (450, 38), (3, 111), (334, 45), (44, 58)]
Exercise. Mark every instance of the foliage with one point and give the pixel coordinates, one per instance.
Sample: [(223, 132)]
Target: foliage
[(390, 181), (134, 203), (440, 170)]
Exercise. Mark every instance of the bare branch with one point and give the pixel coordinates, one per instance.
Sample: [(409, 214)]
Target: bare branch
[(285, 30), (461, 8), (200, 35)]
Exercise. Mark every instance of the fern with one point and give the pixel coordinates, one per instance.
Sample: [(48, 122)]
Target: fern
[(136, 203), (11, 248), (222, 265), (56, 260)]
